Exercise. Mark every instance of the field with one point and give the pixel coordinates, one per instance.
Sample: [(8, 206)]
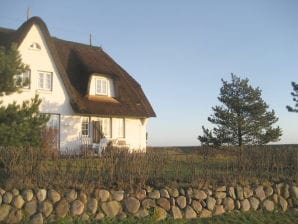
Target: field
[(176, 166)]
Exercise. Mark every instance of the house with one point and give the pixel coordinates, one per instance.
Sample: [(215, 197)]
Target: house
[(86, 93)]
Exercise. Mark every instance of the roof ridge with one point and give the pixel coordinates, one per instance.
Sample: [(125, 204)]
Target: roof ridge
[(78, 43)]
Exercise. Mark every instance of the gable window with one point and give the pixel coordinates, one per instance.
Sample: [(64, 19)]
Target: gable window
[(85, 126), (101, 87), (44, 80), (23, 80), (120, 127), (34, 46)]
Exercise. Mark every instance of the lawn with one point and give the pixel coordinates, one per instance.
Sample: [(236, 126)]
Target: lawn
[(231, 218)]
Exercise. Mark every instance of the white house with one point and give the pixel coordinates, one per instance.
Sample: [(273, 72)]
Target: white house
[(84, 90)]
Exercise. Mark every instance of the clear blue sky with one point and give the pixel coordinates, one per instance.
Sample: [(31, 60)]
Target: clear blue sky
[(179, 51)]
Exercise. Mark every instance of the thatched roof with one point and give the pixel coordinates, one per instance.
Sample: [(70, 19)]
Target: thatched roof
[(76, 63)]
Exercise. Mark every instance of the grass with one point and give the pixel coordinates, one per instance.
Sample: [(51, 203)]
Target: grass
[(231, 218), (159, 167)]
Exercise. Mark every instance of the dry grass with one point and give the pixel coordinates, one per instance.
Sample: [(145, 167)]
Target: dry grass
[(194, 166)]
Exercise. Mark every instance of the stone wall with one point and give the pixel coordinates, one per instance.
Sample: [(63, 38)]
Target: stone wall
[(41, 205)]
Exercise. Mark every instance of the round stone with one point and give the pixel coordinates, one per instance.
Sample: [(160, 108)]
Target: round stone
[(164, 203), (92, 205), (62, 208), (132, 205), (18, 202), (46, 208), (37, 219), (176, 213), (7, 197), (31, 207), (54, 196), (190, 213), (268, 205), (27, 195), (210, 203), (41, 194), (77, 208), (71, 195), (181, 202), (111, 208), (119, 195)]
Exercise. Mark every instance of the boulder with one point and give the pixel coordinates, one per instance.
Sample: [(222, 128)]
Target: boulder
[(164, 193), (181, 202), (220, 195), (196, 205), (15, 192), (83, 197), (219, 210), (159, 214), (231, 192), (102, 195), (7, 197), (173, 192), (229, 204), (254, 203), (268, 205), (31, 207), (259, 192), (36, 219), (164, 203), (71, 195), (154, 194), (141, 194), (268, 191), (148, 203), (210, 203), (15, 216), (46, 208), (142, 213), (53, 196), (18, 202), (132, 205), (4, 211), (239, 193), (85, 217), (221, 188), (285, 191), (41, 194), (247, 192), (111, 208), (283, 203), (245, 205), (119, 195), (27, 195), (176, 213), (190, 213), (62, 208), (294, 191), (77, 208), (92, 205), (99, 216), (199, 195), (205, 213)]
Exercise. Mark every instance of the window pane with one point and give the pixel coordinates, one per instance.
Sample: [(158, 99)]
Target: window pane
[(44, 80), (85, 126), (40, 81)]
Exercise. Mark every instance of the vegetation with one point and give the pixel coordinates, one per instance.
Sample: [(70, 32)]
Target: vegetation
[(231, 218), (295, 99), (243, 118), (159, 167), (20, 125)]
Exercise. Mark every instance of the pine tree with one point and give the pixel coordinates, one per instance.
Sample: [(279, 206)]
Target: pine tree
[(295, 99), (20, 125), (243, 118)]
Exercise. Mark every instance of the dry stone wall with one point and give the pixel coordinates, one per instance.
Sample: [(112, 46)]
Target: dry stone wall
[(43, 206)]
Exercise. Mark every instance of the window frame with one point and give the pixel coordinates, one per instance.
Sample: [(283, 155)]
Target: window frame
[(86, 128), (120, 127), (23, 79), (46, 77), (102, 89)]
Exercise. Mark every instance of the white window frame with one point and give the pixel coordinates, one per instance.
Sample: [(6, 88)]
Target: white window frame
[(85, 124), (101, 86), (45, 80), (120, 127), (22, 78), (105, 123)]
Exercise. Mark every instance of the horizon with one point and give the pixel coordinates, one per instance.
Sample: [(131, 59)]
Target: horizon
[(179, 52)]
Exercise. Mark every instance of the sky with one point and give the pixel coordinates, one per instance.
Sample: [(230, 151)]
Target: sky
[(180, 50)]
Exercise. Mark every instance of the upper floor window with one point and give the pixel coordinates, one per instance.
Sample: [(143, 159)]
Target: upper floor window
[(101, 86), (34, 46), (44, 80), (23, 80)]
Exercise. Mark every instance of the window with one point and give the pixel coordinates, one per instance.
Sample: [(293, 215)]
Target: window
[(85, 126), (101, 87), (52, 132), (120, 127), (44, 80), (101, 127), (35, 46), (23, 80)]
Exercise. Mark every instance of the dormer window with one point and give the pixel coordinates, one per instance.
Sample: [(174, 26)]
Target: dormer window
[(35, 46), (101, 86)]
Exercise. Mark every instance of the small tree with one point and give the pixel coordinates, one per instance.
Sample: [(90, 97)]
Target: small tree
[(20, 125), (242, 118), (295, 99)]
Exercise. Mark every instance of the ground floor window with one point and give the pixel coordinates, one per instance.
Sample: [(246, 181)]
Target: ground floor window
[(52, 132), (101, 127), (120, 127), (85, 126)]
